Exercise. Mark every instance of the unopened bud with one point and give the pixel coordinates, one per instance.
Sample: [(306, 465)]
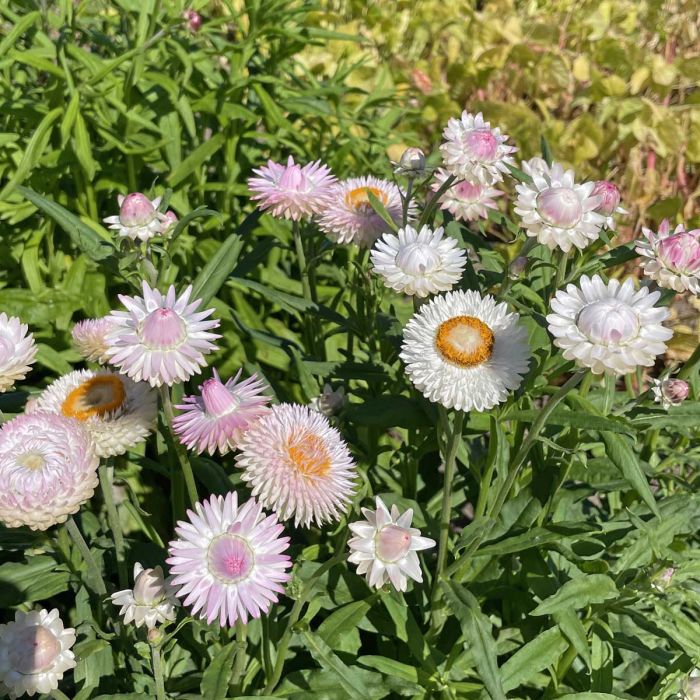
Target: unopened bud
[(518, 267), (670, 392), (610, 197), (412, 162), (194, 20), (662, 580), (155, 636)]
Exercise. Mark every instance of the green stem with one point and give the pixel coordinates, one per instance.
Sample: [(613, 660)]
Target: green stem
[(691, 364), (301, 259), (104, 472), (240, 662), (561, 271), (265, 643), (177, 446), (609, 395), (407, 201), (98, 585), (433, 202), (158, 672)]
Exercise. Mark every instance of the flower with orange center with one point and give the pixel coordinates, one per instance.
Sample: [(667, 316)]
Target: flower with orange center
[(298, 465), (117, 412), (465, 351), (349, 216)]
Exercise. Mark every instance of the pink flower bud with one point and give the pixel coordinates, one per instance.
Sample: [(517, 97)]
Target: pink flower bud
[(136, 210), (675, 391), (194, 20), (681, 250), (412, 162), (610, 197)]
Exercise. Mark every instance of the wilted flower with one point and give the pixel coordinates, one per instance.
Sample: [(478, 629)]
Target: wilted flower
[(35, 652), (90, 338), (609, 201), (555, 209), (161, 338), (298, 465), (672, 259), (152, 600), (466, 201), (412, 163), (194, 20), (385, 545), (670, 392), (17, 351), (609, 328), (475, 152), (139, 218), (465, 351), (217, 419), (518, 267), (330, 401), (418, 263), (227, 561), (292, 191)]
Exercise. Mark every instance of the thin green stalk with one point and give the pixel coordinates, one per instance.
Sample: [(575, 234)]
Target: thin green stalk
[(407, 201), (265, 643), (94, 575), (691, 364), (158, 672), (561, 270), (433, 202), (241, 657), (301, 259), (484, 490), (105, 473), (609, 395), (177, 446)]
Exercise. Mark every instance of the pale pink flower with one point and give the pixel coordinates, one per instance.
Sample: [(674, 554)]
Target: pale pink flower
[(298, 465), (217, 419), (670, 392), (17, 351), (672, 259), (169, 222), (151, 601), (292, 191), (48, 469), (138, 218), (609, 203), (194, 20), (466, 201), (227, 560), (90, 338), (161, 338)]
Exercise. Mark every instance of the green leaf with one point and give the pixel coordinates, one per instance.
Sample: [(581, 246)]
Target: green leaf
[(16, 32), (343, 620), (477, 633), (380, 209), (185, 221), (573, 629), (541, 652), (195, 159), (578, 593), (388, 412), (393, 668), (577, 419), (36, 580), (217, 674)]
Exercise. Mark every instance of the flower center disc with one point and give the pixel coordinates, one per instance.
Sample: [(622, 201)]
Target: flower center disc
[(95, 397), (229, 558), (308, 455), (31, 460), (465, 340), (358, 199), (34, 650)]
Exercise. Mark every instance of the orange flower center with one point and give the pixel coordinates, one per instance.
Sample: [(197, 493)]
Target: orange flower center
[(309, 455), (95, 397), (464, 340), (358, 199)]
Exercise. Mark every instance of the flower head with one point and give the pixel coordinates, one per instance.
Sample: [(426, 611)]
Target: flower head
[(297, 465), (194, 20), (161, 338), (48, 468), (292, 191), (90, 338), (218, 417), (349, 216), (138, 218), (330, 401), (672, 259), (670, 392), (609, 201), (227, 560), (411, 163), (465, 351), (17, 351), (35, 652), (151, 601), (385, 545), (465, 200), (473, 151), (418, 263), (609, 328), (117, 412), (555, 209)]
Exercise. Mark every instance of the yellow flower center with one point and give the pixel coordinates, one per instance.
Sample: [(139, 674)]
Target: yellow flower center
[(464, 340), (308, 455), (358, 199), (31, 460), (95, 397)]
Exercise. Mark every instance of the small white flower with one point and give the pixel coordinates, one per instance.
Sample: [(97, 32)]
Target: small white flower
[(418, 263), (138, 218), (17, 351), (35, 652), (329, 401), (670, 392), (556, 210), (609, 328), (385, 545), (466, 201), (152, 600)]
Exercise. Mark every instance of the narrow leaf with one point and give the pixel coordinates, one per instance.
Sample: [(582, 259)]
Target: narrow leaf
[(578, 593)]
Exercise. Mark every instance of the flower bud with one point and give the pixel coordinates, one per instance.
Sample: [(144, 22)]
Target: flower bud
[(136, 210), (518, 267), (149, 586), (194, 20), (610, 197), (169, 222), (412, 162), (329, 401), (155, 636), (662, 580), (670, 392)]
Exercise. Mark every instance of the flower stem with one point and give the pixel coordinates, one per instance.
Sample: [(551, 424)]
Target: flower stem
[(407, 201), (609, 395), (104, 472), (434, 200), (301, 259), (240, 662), (690, 365), (177, 446), (158, 672), (98, 585)]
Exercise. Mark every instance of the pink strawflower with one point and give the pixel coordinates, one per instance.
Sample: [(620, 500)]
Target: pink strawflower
[(194, 20), (609, 203), (292, 191), (349, 216), (466, 201), (161, 338), (17, 351), (227, 560), (138, 218), (217, 419), (670, 392), (169, 222), (90, 338), (672, 259), (297, 465), (48, 468)]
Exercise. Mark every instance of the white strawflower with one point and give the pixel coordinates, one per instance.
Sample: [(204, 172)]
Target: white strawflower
[(465, 351), (555, 209), (608, 327), (465, 200), (385, 545), (152, 600), (418, 263), (35, 652), (17, 351)]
